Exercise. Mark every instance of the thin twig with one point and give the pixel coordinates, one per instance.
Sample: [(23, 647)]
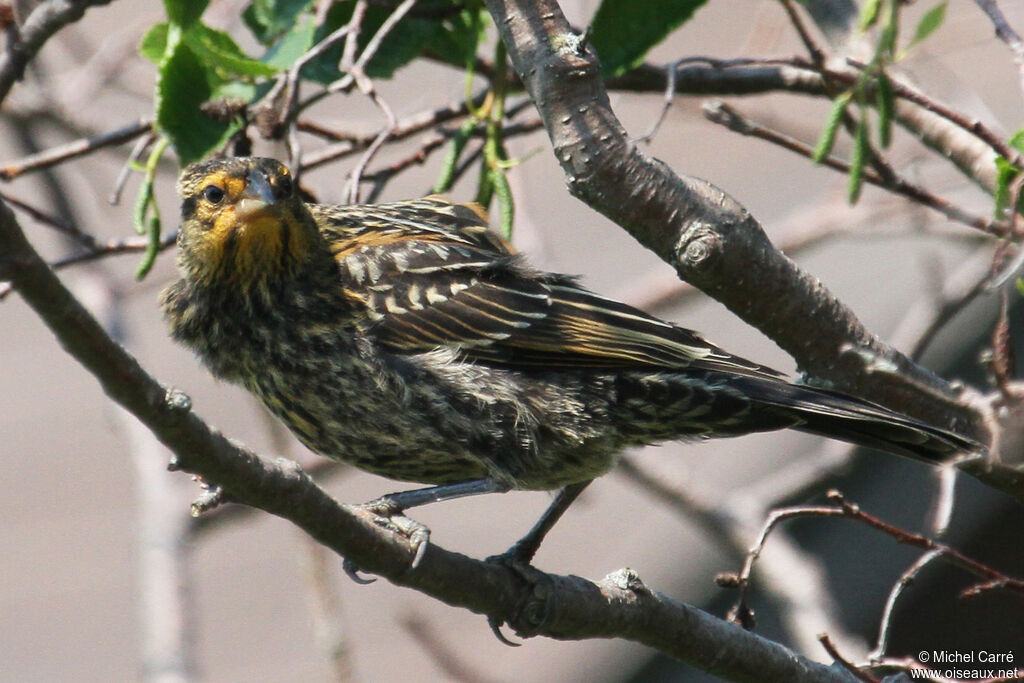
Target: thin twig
[(1006, 34), (885, 625), (971, 125), (367, 87), (348, 144), (76, 148), (992, 576), (292, 88), (812, 47), (126, 169), (833, 651), (723, 114), (775, 517), (372, 47), (59, 224), (112, 248), (670, 94), (45, 20), (842, 508)]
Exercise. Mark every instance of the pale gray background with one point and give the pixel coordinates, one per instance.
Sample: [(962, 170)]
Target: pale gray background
[(68, 587)]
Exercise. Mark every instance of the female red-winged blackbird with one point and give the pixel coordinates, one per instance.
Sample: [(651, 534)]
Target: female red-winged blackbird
[(407, 340)]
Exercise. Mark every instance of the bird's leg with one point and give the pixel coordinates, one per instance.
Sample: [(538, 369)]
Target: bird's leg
[(403, 500), (518, 557), (526, 547), (389, 510)]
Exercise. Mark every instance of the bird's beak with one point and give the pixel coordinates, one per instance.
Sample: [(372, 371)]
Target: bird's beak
[(258, 197)]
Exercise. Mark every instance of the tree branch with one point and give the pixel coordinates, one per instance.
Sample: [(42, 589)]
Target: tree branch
[(618, 606), (709, 238), (45, 20)]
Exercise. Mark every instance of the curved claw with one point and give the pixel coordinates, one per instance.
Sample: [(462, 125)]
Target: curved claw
[(352, 571), (388, 514), (495, 623), (417, 533), (536, 603)]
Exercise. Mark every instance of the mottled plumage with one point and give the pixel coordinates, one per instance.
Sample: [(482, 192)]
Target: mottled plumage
[(408, 340)]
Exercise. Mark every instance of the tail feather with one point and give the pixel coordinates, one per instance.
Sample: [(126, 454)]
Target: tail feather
[(844, 417)]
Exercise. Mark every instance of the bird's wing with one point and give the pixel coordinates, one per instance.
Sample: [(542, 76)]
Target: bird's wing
[(431, 276)]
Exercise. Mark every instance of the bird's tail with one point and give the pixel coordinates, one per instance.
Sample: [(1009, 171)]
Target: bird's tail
[(844, 417)]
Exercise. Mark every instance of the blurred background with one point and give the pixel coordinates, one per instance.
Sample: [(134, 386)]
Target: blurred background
[(82, 486)]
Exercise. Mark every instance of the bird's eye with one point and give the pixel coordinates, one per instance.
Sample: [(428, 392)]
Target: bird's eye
[(213, 194), (284, 187)]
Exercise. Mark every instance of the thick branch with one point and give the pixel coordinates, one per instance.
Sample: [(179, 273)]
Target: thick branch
[(45, 20), (707, 76), (619, 606), (710, 239)]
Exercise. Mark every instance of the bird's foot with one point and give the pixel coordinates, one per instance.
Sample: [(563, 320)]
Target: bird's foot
[(390, 515), (536, 601)]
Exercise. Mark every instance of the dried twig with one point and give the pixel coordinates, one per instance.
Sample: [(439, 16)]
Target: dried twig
[(906, 578), (830, 648), (1006, 34), (723, 114), (76, 148)]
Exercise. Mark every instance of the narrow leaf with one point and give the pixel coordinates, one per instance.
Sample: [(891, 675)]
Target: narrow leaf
[(451, 158), (931, 21), (1005, 174), (869, 14), (506, 203), (885, 102), (154, 43), (828, 134), (1017, 141), (860, 153)]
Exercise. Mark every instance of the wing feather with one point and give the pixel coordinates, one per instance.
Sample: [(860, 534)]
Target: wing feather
[(434, 276)]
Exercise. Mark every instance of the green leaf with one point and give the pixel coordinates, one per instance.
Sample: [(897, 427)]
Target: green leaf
[(931, 21), (506, 203), (857, 158), (219, 50), (1020, 286), (293, 44), (624, 30), (885, 102), (238, 90), (184, 13), (183, 84), (828, 133), (869, 14), (1005, 173), (457, 39), (1017, 141), (405, 42), (154, 43), (270, 19), (451, 159), (886, 47)]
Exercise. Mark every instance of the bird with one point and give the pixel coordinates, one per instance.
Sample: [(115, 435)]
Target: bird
[(409, 340)]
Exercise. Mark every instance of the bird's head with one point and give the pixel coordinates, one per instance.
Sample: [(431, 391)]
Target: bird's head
[(242, 221)]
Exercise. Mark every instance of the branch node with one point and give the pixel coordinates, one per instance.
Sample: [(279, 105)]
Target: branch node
[(628, 580), (698, 248), (535, 604), (210, 499), (572, 43), (177, 400)]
